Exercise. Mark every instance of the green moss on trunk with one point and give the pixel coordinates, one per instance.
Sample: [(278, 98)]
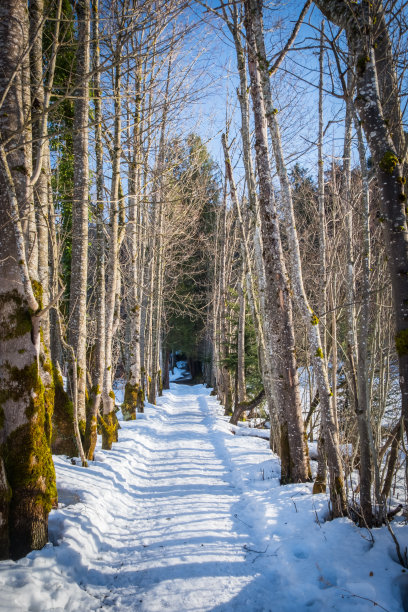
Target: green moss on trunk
[(19, 321), (82, 429), (91, 436), (141, 400), (29, 468), (129, 406), (228, 403), (38, 292), (49, 389), (110, 426), (91, 427), (63, 436), (389, 162)]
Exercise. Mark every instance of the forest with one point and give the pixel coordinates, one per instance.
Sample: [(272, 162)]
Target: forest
[(203, 226)]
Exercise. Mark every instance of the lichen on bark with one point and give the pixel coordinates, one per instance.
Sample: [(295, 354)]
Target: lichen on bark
[(49, 391), (131, 401), (109, 425), (18, 320), (91, 432), (38, 292), (63, 437), (389, 162), (28, 464), (361, 63)]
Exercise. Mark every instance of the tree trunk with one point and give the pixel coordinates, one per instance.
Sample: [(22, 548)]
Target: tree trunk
[(95, 393), (387, 147), (109, 420), (337, 493), (247, 407), (79, 263), (257, 275), (224, 386), (41, 185), (241, 386), (166, 370), (133, 400), (360, 409), (277, 298), (364, 327), (27, 478), (158, 261)]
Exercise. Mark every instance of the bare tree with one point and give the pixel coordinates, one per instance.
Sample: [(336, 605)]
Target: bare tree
[(77, 324), (27, 493), (378, 106)]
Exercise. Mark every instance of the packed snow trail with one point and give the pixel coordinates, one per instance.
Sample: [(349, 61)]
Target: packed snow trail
[(183, 516), (190, 554)]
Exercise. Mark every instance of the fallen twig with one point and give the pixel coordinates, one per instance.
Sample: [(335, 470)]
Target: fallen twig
[(260, 552), (237, 517)]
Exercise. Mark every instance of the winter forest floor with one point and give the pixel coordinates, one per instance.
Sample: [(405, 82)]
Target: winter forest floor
[(184, 516)]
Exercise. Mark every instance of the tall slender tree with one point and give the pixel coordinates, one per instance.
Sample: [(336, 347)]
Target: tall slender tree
[(27, 489)]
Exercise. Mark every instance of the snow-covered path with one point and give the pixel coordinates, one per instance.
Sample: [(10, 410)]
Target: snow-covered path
[(183, 516), (190, 556)]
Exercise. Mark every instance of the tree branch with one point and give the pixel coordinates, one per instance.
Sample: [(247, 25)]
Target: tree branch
[(291, 40)]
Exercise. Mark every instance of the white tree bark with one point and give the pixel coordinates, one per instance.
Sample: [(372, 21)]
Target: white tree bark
[(337, 493), (277, 297), (77, 325), (27, 478), (116, 234)]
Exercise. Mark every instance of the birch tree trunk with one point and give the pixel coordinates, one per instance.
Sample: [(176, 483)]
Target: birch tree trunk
[(363, 374), (158, 255), (277, 298), (27, 478), (146, 240), (322, 212), (156, 299), (266, 350), (133, 399), (250, 281), (337, 493), (215, 308), (79, 264), (366, 518), (109, 420), (95, 393), (41, 184), (224, 384), (320, 483), (241, 385)]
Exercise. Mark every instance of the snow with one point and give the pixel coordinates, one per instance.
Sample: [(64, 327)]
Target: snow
[(182, 515), (243, 430), (179, 371)]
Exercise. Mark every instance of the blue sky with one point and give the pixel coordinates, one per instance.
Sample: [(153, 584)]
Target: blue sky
[(293, 85)]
